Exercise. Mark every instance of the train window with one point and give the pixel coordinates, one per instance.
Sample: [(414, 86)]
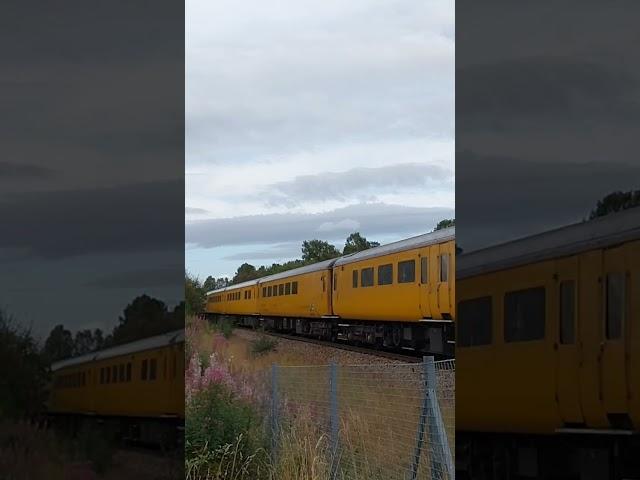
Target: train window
[(129, 372), (567, 312), (407, 271), (475, 322), (294, 288), (281, 289), (385, 274), (524, 315), (355, 279), (114, 374), (264, 291), (275, 290), (164, 368), (152, 369), (615, 305), (444, 267), (121, 372), (143, 372), (83, 379), (102, 375), (424, 270), (107, 375), (366, 277), (249, 294), (269, 291), (245, 294), (287, 288)]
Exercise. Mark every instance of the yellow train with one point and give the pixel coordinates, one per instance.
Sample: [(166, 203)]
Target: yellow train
[(136, 388), (548, 354), (397, 295)]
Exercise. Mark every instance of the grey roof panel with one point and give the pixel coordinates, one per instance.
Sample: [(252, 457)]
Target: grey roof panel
[(158, 341), (419, 241), (314, 267), (570, 240)]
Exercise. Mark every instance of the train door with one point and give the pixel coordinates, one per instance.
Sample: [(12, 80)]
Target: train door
[(432, 289), (566, 343), (424, 280), (615, 325), (444, 279)]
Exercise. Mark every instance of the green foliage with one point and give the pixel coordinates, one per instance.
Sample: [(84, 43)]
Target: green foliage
[(194, 295), (245, 272), (215, 419), (91, 444), (23, 371), (615, 202), (357, 243), (145, 317), (314, 251), (446, 223), (226, 327), (263, 344)]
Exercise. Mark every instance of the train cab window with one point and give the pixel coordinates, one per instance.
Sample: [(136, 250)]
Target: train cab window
[(444, 267), (143, 372), (114, 374), (366, 277), (129, 372), (121, 372), (524, 315), (474, 322), (287, 288), (567, 312), (385, 274), (615, 305), (355, 279), (294, 288), (269, 291), (407, 271), (264, 292), (281, 289), (424, 270), (153, 365)]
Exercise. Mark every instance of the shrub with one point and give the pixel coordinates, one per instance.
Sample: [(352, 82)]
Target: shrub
[(226, 327), (263, 345)]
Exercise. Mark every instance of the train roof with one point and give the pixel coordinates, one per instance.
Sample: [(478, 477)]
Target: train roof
[(157, 341), (314, 267), (602, 232), (426, 239)]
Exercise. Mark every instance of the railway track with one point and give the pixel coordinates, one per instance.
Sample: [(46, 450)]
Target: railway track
[(413, 357)]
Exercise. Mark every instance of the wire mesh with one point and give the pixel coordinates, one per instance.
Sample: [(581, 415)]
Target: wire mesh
[(384, 421)]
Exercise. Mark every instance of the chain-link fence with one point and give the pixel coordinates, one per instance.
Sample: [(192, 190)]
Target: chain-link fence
[(378, 422)]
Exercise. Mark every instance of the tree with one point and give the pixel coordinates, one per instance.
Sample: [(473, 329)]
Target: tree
[(615, 202), (245, 272), (143, 317), (356, 243), (98, 339), (83, 342), (194, 294), (446, 223), (318, 250), (209, 284), (23, 371), (59, 344)]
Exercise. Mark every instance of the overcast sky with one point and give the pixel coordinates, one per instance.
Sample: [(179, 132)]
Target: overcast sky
[(547, 114), (313, 120), (91, 171)]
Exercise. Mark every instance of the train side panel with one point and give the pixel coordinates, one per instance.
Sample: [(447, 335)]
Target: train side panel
[(307, 295)]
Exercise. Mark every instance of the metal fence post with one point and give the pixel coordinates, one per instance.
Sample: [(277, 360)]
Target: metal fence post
[(421, 425), (333, 421), (274, 409), (442, 464)]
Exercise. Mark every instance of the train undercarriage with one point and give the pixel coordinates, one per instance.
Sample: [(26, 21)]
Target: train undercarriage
[(428, 337), (590, 455)]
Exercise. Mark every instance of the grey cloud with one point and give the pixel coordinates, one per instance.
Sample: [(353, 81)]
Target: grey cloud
[(133, 218), (373, 219), (359, 182), (141, 279), (14, 171), (523, 197), (195, 211), (284, 250)]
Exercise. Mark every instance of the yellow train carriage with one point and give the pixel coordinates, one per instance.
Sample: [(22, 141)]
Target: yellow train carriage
[(548, 335), (303, 292), (239, 299), (139, 379), (410, 281)]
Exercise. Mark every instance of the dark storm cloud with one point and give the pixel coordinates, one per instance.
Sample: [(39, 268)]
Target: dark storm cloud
[(372, 218), (14, 171), (128, 218), (341, 186), (142, 279), (522, 197), (557, 89)]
